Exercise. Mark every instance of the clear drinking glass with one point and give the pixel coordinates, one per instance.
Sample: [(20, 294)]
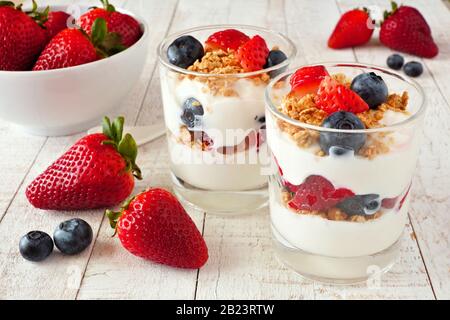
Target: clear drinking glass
[(216, 166), (332, 245)]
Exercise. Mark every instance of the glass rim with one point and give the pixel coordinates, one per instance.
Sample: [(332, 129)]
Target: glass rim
[(162, 57), (416, 116)]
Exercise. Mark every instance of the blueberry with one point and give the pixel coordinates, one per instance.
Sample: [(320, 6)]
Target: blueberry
[(395, 61), (35, 246), (184, 51), (73, 236), (371, 88), (261, 119), (274, 58), (341, 142), (192, 113), (367, 204), (413, 68)]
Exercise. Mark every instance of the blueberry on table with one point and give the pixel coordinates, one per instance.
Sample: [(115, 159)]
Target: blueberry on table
[(73, 236), (35, 246), (192, 113), (413, 68), (184, 51), (371, 88), (361, 205), (395, 61), (339, 143), (274, 58)]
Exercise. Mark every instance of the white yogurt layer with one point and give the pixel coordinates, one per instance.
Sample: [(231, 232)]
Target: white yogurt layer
[(320, 236), (388, 175), (212, 171), (226, 120)]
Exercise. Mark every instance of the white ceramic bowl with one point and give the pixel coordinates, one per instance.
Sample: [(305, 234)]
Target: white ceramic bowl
[(66, 101)]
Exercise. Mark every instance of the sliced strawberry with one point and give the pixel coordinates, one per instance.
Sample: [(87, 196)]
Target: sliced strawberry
[(289, 186), (333, 96), (318, 194), (227, 39), (253, 54), (307, 80), (354, 28), (340, 194)]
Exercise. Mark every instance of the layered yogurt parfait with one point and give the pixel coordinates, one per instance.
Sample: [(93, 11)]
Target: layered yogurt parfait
[(344, 140), (213, 80)]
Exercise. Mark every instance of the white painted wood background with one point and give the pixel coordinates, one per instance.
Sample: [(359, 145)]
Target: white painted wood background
[(241, 264)]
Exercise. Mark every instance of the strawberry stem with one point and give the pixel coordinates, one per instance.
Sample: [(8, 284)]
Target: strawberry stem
[(394, 7), (125, 145), (107, 6), (36, 15), (113, 216)]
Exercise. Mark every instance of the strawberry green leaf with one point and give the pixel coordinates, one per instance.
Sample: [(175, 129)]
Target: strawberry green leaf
[(125, 145), (107, 128), (117, 127), (99, 31), (128, 147)]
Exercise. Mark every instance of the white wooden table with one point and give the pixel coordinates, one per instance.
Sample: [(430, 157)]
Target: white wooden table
[(241, 263)]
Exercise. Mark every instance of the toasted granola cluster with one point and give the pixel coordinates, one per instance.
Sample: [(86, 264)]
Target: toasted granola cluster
[(226, 63), (304, 109)]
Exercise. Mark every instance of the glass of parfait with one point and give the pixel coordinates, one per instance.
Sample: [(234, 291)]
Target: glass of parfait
[(212, 81), (344, 139)]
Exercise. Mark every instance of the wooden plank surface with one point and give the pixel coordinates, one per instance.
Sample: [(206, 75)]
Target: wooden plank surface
[(241, 264)]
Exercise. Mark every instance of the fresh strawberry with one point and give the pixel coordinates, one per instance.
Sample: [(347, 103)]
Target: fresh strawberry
[(354, 28), (405, 29), (307, 80), (21, 38), (333, 96), (71, 47), (96, 172), (154, 225), (318, 194), (253, 54), (124, 25), (56, 22), (227, 39)]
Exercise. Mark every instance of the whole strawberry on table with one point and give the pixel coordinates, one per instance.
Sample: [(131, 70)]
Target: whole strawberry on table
[(98, 171), (154, 225), (403, 29)]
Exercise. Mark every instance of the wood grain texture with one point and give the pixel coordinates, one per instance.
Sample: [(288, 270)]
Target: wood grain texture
[(242, 263), (430, 195)]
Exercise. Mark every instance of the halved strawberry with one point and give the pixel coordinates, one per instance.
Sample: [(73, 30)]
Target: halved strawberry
[(227, 39), (333, 96), (307, 80), (253, 54)]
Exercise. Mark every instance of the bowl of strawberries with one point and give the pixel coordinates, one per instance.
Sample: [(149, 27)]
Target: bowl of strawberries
[(59, 74)]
